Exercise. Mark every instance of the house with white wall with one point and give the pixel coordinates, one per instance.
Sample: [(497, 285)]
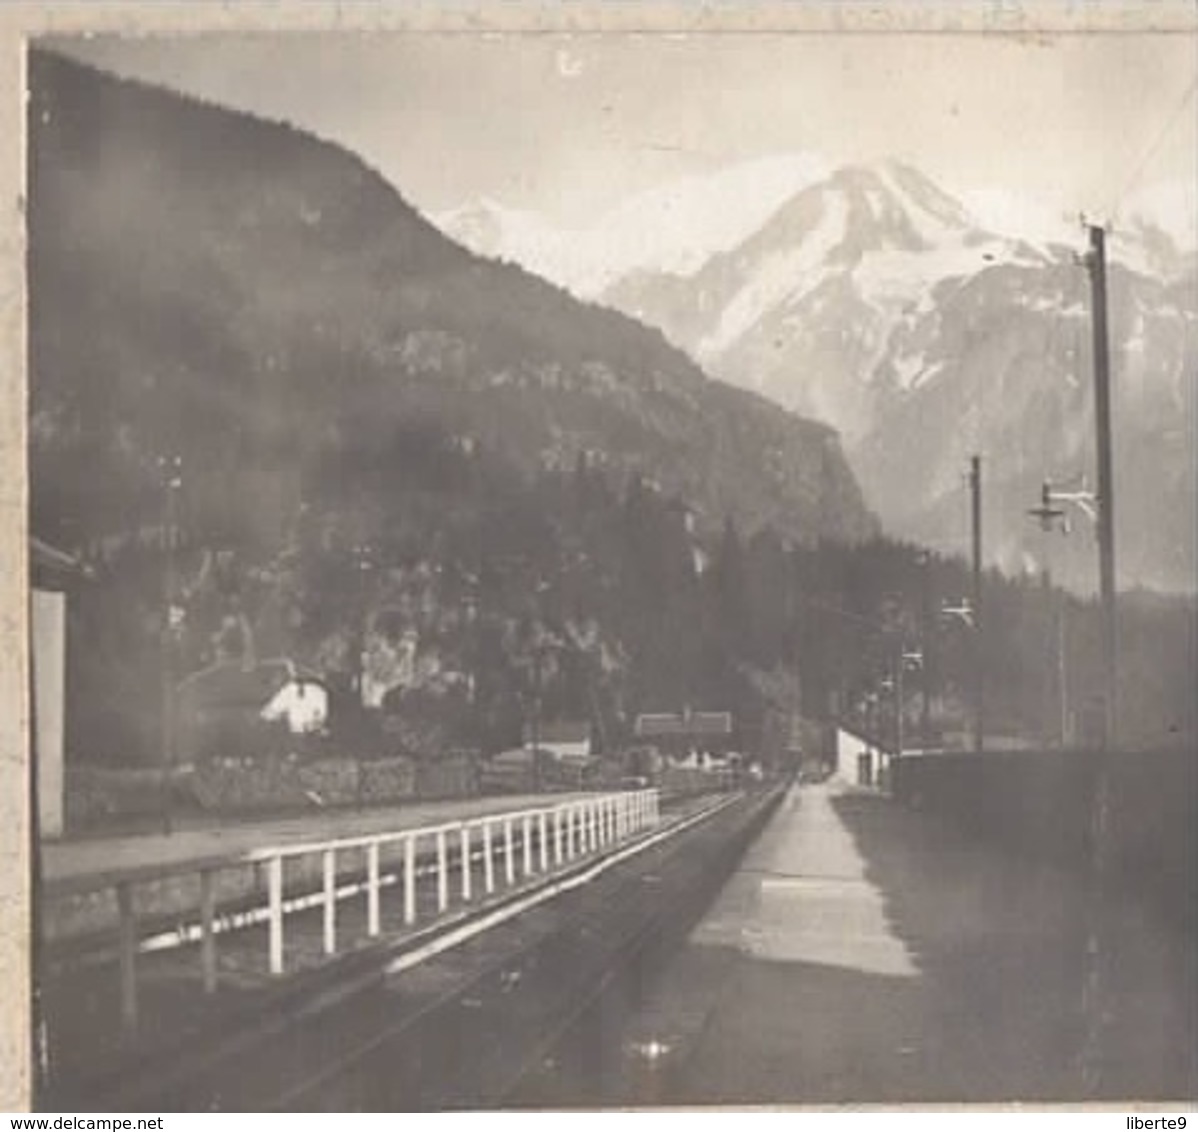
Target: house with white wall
[(859, 761)]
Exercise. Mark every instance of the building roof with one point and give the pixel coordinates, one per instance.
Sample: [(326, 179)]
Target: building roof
[(685, 723), (563, 731)]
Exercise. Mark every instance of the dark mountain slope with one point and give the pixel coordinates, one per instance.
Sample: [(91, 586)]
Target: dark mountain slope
[(237, 292)]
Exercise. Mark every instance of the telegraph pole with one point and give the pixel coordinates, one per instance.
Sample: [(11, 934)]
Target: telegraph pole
[(1097, 942), (1096, 262), (979, 683)]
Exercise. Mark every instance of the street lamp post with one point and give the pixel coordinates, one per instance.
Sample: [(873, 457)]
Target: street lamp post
[(535, 729), (913, 659), (925, 618), (979, 673), (470, 605), (903, 660), (171, 469), (361, 554), (1058, 690), (1049, 515), (539, 646), (963, 611)]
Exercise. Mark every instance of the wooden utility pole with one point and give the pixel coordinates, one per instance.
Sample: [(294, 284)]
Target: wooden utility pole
[(1097, 961), (1096, 262), (979, 679)]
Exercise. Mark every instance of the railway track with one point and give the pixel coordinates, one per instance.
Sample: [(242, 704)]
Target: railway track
[(456, 1015)]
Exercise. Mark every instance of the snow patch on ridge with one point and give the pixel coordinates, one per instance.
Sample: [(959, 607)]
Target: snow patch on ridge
[(785, 275)]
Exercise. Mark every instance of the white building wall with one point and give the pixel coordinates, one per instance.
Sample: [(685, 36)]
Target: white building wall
[(850, 749), (49, 689)]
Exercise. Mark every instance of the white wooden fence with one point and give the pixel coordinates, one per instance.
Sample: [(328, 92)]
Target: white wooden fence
[(493, 852)]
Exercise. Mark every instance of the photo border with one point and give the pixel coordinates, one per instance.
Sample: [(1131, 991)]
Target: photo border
[(20, 22)]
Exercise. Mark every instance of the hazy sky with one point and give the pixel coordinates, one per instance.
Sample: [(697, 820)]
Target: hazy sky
[(569, 124)]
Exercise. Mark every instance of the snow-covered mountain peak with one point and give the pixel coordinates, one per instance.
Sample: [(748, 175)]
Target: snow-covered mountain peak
[(909, 197), (677, 226), (883, 229), (924, 327), (673, 227), (914, 321)]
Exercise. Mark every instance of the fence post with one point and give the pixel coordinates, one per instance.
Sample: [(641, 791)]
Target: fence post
[(372, 889), (543, 839), (330, 901), (464, 836), (442, 871), (208, 931), (526, 840), (275, 885), (509, 852), (409, 879), (128, 956), (488, 855), (558, 849)]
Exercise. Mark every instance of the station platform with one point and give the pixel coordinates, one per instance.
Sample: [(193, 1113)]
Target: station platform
[(198, 840), (864, 954)]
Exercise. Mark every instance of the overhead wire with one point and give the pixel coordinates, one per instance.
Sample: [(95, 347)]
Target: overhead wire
[(1150, 153)]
